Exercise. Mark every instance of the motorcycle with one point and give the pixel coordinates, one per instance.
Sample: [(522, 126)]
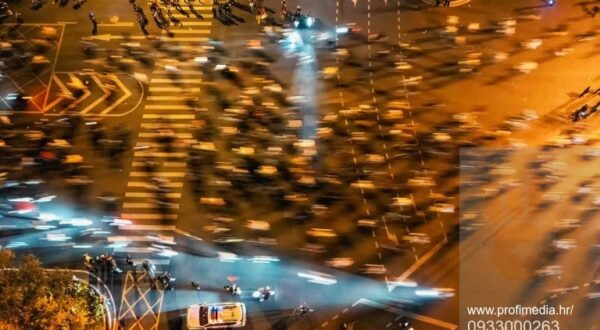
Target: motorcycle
[(233, 289), (165, 280), (303, 22), (263, 294), (89, 263), (149, 268), (302, 310)]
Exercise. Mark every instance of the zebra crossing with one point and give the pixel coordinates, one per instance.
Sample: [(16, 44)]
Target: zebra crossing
[(151, 230), (165, 110)]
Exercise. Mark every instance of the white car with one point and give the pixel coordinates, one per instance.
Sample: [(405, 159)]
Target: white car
[(553, 270), (442, 208), (340, 262), (216, 316), (417, 238)]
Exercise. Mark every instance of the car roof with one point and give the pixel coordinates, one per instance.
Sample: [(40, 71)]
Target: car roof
[(226, 313)]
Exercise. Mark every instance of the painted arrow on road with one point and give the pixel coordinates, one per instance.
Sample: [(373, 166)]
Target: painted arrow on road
[(96, 92), (100, 99), (75, 82), (125, 96), (65, 93)]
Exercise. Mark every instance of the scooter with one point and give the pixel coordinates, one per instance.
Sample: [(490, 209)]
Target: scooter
[(89, 262), (150, 268), (263, 294), (303, 22), (233, 289)]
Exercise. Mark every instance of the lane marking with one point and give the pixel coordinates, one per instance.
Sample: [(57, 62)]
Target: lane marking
[(147, 227), (100, 99), (125, 96), (129, 205), (118, 24), (163, 164), (155, 135), (153, 126), (413, 268), (188, 31), (167, 107), (132, 194), (194, 39), (170, 81), (162, 116), (146, 184), (137, 238), (159, 174), (182, 72), (174, 89)]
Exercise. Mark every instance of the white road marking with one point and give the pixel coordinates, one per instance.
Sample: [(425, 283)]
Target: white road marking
[(122, 238), (193, 39), (118, 24), (147, 206), (132, 194), (174, 89), (159, 174), (155, 116), (170, 125), (188, 31), (147, 216), (148, 227), (181, 81), (146, 184), (167, 107), (163, 164)]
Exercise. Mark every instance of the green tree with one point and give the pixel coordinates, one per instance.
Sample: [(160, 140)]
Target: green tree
[(33, 298)]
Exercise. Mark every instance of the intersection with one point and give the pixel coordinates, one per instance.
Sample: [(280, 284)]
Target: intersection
[(275, 157)]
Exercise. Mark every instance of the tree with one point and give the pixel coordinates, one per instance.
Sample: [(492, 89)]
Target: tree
[(33, 298)]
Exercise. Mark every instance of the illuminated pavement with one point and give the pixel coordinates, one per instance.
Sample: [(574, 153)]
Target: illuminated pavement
[(494, 92)]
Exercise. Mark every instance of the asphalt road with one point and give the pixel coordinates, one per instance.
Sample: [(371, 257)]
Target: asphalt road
[(435, 87)]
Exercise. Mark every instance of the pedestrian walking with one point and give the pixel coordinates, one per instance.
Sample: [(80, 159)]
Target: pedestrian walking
[(172, 18), (585, 91), (18, 19), (196, 285), (92, 17), (438, 3), (447, 3), (142, 22)]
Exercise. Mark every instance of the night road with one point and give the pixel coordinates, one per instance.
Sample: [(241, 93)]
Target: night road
[(377, 164)]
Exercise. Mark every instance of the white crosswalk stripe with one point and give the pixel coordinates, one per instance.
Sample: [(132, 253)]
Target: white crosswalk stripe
[(149, 195), (164, 103), (163, 164), (170, 89), (146, 184)]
